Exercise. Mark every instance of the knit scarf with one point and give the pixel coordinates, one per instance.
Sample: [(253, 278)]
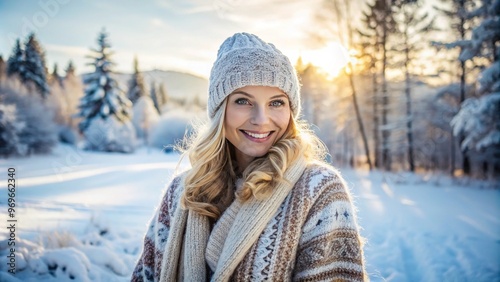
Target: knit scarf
[(184, 256)]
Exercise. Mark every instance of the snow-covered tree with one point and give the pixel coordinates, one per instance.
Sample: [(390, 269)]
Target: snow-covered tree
[(378, 26), (10, 129), (70, 69), (103, 100), (412, 24), (144, 117), (155, 97), (163, 95), (55, 77), (15, 63), (479, 117), (29, 120), (456, 12), (35, 70), (136, 87)]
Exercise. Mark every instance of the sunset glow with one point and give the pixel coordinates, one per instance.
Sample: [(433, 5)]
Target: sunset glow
[(330, 58)]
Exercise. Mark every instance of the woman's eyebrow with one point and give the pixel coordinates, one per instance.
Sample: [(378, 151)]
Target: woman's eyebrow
[(280, 95), (242, 92), (251, 96)]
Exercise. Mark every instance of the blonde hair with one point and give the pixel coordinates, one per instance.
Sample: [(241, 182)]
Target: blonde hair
[(209, 185)]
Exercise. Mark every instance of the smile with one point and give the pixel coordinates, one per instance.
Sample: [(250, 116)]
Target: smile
[(257, 135)]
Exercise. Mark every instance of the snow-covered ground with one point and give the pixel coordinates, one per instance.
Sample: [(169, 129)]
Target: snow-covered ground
[(81, 217)]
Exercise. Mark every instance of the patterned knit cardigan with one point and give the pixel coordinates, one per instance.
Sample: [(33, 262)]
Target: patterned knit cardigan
[(313, 236)]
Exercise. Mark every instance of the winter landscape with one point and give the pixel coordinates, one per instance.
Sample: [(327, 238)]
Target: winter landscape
[(94, 105)]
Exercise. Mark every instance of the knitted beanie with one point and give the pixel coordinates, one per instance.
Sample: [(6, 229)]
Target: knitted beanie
[(243, 60)]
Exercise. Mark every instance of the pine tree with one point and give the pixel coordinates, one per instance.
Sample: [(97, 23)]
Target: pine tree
[(70, 69), (157, 102), (379, 23), (136, 87), (55, 77), (412, 23), (35, 72), (163, 94), (102, 97), (10, 129), (479, 117), (456, 14), (73, 90), (15, 63)]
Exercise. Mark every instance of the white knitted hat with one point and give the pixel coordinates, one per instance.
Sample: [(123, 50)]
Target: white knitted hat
[(244, 59)]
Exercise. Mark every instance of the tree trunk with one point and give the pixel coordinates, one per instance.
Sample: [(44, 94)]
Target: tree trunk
[(358, 118), (386, 158), (376, 123)]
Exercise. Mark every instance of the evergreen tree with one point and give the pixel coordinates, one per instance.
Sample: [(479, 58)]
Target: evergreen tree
[(163, 94), (459, 22), (10, 129), (145, 117), (136, 87), (55, 77), (412, 23), (70, 69), (15, 63), (155, 97), (378, 23), (73, 90), (479, 117), (35, 72), (102, 97)]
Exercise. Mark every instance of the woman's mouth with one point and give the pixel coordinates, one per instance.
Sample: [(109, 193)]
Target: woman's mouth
[(257, 137)]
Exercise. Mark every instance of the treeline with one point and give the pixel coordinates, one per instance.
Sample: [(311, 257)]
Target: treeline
[(39, 108), (409, 100)]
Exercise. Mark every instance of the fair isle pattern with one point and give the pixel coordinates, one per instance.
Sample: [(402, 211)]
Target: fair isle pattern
[(149, 264), (312, 237)]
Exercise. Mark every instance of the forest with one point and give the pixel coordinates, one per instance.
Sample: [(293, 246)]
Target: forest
[(406, 100)]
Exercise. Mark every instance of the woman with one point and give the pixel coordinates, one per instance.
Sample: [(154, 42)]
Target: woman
[(258, 203)]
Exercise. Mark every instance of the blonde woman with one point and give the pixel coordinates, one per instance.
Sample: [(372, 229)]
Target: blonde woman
[(259, 203)]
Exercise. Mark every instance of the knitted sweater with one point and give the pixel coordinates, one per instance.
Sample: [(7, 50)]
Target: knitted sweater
[(312, 236)]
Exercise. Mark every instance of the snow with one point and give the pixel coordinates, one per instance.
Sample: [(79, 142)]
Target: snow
[(82, 215)]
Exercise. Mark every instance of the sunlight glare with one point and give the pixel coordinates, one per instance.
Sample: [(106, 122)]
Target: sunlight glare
[(330, 58)]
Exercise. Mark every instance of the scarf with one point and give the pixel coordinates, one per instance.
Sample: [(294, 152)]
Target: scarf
[(184, 256)]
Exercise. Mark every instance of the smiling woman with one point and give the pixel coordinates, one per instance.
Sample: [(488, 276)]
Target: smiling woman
[(259, 203), (330, 58)]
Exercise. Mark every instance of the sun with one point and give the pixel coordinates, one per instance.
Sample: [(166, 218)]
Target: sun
[(330, 58)]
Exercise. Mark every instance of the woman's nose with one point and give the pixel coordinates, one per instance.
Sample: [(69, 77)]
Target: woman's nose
[(259, 116)]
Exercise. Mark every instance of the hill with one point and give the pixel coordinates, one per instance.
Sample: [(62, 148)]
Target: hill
[(177, 84)]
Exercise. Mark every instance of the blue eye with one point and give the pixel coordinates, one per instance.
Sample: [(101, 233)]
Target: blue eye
[(277, 103), (241, 101)]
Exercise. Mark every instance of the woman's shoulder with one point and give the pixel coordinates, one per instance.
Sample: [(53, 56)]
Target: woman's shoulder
[(174, 189), (321, 171), (320, 176)]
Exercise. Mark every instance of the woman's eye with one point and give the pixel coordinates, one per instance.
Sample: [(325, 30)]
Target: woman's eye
[(277, 103), (241, 101)]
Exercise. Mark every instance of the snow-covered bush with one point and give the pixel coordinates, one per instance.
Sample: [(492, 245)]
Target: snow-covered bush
[(144, 116), (68, 135), (171, 129), (10, 130), (110, 135), (28, 118), (98, 254)]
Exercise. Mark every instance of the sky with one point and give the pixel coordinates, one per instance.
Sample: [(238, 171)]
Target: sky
[(169, 35)]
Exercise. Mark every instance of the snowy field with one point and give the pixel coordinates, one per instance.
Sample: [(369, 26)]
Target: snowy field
[(81, 217)]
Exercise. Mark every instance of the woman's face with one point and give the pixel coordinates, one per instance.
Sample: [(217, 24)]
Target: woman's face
[(256, 117)]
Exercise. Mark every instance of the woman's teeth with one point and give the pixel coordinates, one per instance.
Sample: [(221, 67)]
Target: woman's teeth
[(258, 136)]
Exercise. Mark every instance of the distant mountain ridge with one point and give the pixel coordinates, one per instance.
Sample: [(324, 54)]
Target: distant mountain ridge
[(178, 85)]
